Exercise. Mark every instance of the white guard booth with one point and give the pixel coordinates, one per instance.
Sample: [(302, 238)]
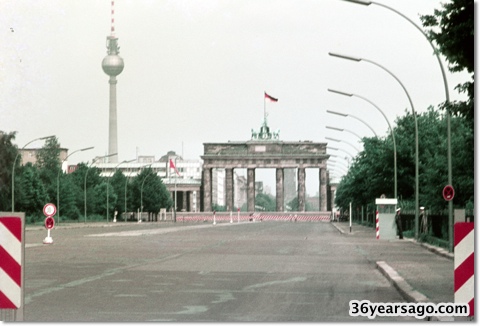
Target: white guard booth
[(386, 227)]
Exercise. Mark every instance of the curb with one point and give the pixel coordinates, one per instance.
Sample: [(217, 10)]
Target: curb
[(406, 290)]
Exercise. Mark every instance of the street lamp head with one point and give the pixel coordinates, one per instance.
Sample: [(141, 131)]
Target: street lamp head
[(334, 128), (86, 149), (360, 2), (337, 113), (343, 56), (340, 92), (48, 137), (333, 139)]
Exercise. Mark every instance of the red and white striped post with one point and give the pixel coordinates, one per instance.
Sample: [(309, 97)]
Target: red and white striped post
[(464, 280), (377, 223), (12, 248)]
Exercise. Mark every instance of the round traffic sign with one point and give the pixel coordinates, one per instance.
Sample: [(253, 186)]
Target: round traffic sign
[(49, 223), (448, 193), (49, 209)]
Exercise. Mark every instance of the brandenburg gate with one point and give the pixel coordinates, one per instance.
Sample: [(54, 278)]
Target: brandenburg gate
[(264, 150)]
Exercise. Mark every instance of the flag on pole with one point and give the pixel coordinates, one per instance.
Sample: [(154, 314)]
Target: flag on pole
[(172, 166), (272, 99)]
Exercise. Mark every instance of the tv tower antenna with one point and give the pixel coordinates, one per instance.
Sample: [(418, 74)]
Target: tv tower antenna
[(112, 28), (112, 65)]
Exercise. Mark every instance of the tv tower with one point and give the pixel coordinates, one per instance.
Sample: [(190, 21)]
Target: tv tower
[(112, 65)]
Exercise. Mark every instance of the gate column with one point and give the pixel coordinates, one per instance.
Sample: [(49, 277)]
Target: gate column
[(322, 173), (301, 189), (229, 189), (207, 189), (251, 190), (280, 190)]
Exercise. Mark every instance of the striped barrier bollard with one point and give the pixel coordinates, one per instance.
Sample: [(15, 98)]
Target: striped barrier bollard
[(464, 281), (377, 224), (11, 263)]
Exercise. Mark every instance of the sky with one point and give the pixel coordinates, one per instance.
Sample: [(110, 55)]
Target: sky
[(196, 71)]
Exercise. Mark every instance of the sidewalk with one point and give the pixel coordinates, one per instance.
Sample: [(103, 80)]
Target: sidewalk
[(421, 273)]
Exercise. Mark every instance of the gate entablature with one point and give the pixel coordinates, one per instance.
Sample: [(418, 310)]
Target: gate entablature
[(265, 154)]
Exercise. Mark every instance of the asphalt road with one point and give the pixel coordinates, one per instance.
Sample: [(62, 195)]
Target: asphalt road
[(247, 272)]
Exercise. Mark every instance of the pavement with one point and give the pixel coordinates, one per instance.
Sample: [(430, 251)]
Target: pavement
[(420, 272)]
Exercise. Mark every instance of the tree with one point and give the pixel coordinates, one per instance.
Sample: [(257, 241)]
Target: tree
[(293, 204), (265, 201), (32, 195), (154, 195), (48, 163), (8, 152), (118, 183), (452, 28)]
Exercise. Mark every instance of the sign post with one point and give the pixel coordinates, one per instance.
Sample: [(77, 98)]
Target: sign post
[(49, 210)]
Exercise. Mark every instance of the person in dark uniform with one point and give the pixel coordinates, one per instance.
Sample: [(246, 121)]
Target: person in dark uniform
[(398, 221)]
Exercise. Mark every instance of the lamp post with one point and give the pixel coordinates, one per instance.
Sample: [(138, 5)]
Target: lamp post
[(85, 183), (108, 185), (339, 140), (340, 149), (13, 168), (417, 190), (58, 179), (447, 100), (343, 170), (352, 116), (391, 131), (345, 158), (342, 129)]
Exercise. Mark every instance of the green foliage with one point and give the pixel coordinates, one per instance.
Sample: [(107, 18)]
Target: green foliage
[(148, 188), (8, 152), (293, 204), (49, 166), (265, 201), (31, 195), (452, 28)]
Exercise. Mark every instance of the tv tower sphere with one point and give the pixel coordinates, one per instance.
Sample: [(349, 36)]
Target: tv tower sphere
[(112, 64)]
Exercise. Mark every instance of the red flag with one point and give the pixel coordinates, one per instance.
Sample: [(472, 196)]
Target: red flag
[(173, 167), (272, 99)]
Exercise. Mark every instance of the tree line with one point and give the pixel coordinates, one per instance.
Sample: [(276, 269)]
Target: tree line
[(82, 194)]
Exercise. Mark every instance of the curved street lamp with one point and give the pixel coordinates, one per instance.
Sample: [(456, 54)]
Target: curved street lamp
[(352, 116), (58, 179), (108, 185), (447, 100), (85, 183), (13, 168), (339, 140), (342, 129), (417, 190), (141, 190), (340, 149), (345, 158), (389, 126), (449, 133)]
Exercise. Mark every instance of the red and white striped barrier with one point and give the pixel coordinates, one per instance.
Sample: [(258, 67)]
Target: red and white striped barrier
[(256, 216), (377, 222), (464, 281), (10, 262)]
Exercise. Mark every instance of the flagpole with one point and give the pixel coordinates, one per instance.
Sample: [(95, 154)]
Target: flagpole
[(264, 109)]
